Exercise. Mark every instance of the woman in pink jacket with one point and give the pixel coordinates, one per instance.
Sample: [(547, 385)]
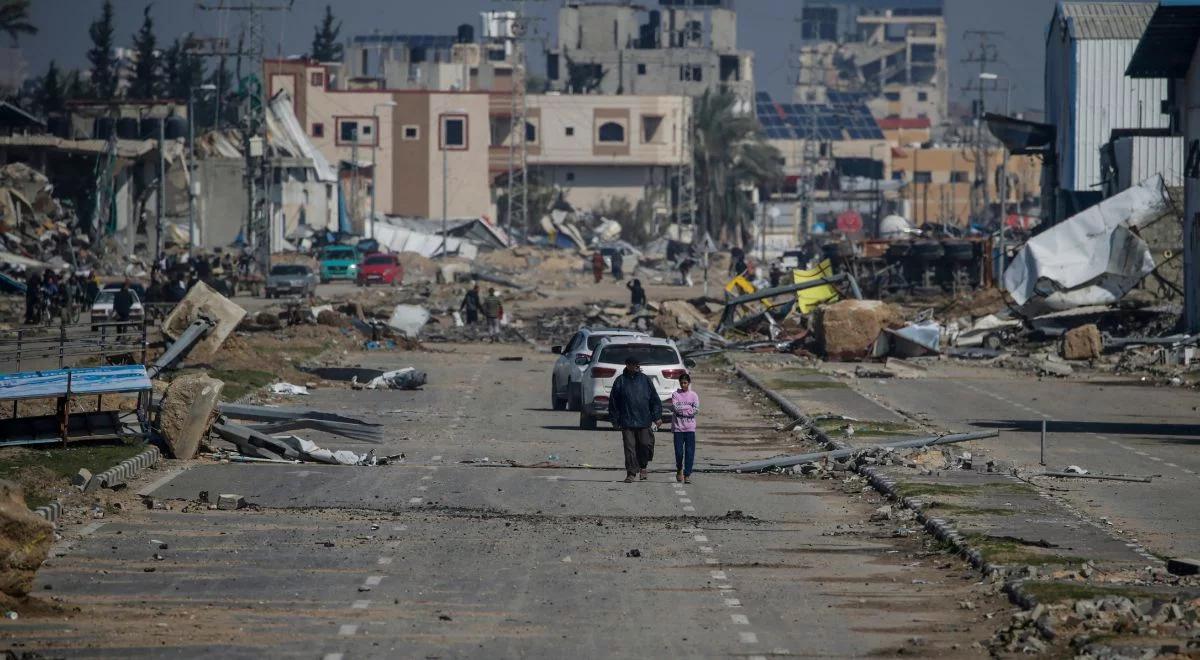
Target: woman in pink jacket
[(686, 405)]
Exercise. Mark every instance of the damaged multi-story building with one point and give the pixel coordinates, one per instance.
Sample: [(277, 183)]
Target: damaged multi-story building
[(893, 52), (679, 48)]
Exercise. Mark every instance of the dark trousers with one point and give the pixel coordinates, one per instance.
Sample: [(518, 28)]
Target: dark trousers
[(472, 316), (685, 451), (639, 449)]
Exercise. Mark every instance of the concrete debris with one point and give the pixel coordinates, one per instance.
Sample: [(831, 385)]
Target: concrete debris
[(848, 330), (25, 541), (230, 502), (203, 301), (1082, 343), (288, 388), (81, 479), (836, 454), (187, 412)]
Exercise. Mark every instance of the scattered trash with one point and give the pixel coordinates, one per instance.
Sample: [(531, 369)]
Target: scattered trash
[(634, 553), (408, 378), (288, 388)]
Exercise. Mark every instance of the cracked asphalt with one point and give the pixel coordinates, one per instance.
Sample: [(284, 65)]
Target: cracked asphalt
[(505, 533)]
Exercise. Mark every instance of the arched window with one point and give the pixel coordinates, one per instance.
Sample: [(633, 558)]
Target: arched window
[(612, 132)]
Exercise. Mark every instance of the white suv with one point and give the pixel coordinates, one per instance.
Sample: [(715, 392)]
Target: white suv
[(572, 362), (659, 359)]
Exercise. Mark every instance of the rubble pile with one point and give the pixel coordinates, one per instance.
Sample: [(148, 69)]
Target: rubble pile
[(1107, 626), (25, 541)]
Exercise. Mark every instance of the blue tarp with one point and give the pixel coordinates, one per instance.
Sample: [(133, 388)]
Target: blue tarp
[(88, 380)]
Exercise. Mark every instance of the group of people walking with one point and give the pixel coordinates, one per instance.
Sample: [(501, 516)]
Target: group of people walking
[(490, 307)]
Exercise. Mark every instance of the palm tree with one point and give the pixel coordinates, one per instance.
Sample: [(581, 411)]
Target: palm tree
[(14, 19), (731, 156)]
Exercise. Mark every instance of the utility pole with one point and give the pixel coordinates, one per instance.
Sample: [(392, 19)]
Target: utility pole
[(159, 201), (254, 126), (983, 55), (521, 28)]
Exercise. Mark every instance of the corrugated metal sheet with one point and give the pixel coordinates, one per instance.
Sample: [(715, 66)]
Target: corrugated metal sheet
[(1106, 20), (1104, 99), (1140, 157)]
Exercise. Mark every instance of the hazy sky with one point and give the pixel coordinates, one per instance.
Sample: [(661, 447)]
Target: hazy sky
[(766, 26)]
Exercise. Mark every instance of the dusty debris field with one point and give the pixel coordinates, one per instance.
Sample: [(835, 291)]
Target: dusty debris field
[(507, 560)]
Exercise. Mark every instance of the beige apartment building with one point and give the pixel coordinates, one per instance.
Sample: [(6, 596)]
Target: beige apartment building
[(940, 182), (405, 133), (595, 147)]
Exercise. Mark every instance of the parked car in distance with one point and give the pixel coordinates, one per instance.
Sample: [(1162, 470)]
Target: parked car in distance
[(567, 375), (291, 279), (338, 262), (660, 361), (380, 268), (102, 306)]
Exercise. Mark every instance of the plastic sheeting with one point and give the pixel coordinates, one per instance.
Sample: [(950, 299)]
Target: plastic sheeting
[(409, 319), (1093, 257)]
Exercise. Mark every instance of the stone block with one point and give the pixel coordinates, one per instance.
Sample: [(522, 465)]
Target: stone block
[(188, 411), (25, 540), (1082, 343)]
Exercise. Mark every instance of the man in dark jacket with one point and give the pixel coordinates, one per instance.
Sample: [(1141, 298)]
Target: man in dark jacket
[(618, 263), (471, 304), (634, 407)]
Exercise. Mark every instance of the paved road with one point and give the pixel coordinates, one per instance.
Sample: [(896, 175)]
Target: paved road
[(1108, 426), (506, 534)]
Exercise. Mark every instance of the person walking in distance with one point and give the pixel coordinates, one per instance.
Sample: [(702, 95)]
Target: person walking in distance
[(618, 262), (493, 311), (686, 404), (634, 407), (597, 266), (471, 304)]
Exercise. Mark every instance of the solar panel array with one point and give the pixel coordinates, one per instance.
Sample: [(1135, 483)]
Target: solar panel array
[(844, 117)]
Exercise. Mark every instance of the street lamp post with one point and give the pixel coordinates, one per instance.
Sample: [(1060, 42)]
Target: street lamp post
[(191, 165), (1003, 177), (374, 146)]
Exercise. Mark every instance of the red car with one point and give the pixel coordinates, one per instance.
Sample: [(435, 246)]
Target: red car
[(380, 268)]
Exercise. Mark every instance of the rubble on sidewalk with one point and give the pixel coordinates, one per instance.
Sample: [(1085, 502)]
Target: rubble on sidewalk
[(408, 378)]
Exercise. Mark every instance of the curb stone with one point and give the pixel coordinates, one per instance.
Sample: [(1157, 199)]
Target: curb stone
[(125, 470), (936, 527), (51, 511)]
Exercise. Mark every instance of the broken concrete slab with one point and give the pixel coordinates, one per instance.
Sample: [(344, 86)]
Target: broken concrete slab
[(1082, 343), (230, 502), (203, 301), (188, 411), (25, 541), (847, 330), (82, 478)]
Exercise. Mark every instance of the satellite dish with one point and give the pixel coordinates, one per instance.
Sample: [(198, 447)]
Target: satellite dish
[(517, 28), (774, 212)]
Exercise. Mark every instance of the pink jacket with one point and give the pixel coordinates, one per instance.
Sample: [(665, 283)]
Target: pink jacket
[(686, 406)]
